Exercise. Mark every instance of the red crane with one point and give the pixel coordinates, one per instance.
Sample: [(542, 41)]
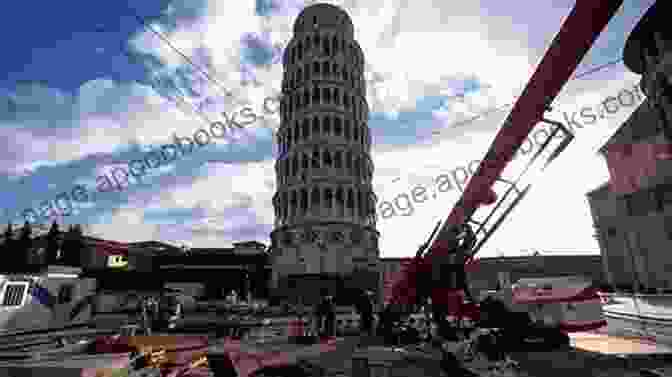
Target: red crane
[(576, 36)]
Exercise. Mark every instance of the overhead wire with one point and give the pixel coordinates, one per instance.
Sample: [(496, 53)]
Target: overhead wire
[(204, 72), (166, 40), (181, 97), (143, 22), (494, 109), (178, 99)]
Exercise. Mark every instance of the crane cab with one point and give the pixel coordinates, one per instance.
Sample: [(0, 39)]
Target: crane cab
[(570, 302)]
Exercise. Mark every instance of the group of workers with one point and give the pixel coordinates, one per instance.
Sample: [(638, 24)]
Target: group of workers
[(156, 312), (451, 273), (150, 312), (444, 282), (448, 274), (325, 313)]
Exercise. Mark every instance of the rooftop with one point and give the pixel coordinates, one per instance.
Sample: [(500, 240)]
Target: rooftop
[(600, 189)]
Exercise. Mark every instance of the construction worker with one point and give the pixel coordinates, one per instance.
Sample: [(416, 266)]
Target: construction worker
[(232, 298), (365, 309), (146, 315), (170, 309), (325, 312), (427, 309), (460, 278), (319, 314), (330, 316), (386, 323), (451, 279)]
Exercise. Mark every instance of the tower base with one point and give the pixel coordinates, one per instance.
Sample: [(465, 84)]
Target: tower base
[(307, 289)]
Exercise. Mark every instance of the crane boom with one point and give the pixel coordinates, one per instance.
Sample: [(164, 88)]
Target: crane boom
[(576, 36)]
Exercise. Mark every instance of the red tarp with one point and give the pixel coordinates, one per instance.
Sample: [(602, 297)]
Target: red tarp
[(248, 359)]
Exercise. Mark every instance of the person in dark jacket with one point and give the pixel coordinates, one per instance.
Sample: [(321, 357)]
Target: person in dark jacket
[(147, 315), (451, 275), (325, 313), (318, 313), (329, 316), (365, 309)]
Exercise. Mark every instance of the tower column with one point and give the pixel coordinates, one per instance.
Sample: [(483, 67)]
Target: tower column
[(334, 211)]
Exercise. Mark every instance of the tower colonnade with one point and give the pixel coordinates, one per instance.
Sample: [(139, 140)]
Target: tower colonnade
[(325, 204)]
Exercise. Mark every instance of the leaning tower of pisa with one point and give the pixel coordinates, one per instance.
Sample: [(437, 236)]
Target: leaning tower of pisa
[(325, 227)]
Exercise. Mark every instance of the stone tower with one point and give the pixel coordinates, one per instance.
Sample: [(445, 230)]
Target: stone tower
[(325, 229)]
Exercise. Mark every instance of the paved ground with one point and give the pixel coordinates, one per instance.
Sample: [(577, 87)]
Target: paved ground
[(647, 316), (572, 362), (561, 363), (340, 360), (611, 344), (580, 363), (629, 327)]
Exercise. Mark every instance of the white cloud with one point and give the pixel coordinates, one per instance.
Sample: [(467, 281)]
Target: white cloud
[(106, 115), (555, 208), (125, 223), (418, 49), (220, 188), (431, 45)]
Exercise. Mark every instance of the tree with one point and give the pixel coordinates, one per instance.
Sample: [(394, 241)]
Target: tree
[(73, 246), (24, 246), (9, 237), (9, 247), (66, 246), (52, 244)]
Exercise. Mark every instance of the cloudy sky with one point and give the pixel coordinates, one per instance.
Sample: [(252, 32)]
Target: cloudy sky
[(86, 88)]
